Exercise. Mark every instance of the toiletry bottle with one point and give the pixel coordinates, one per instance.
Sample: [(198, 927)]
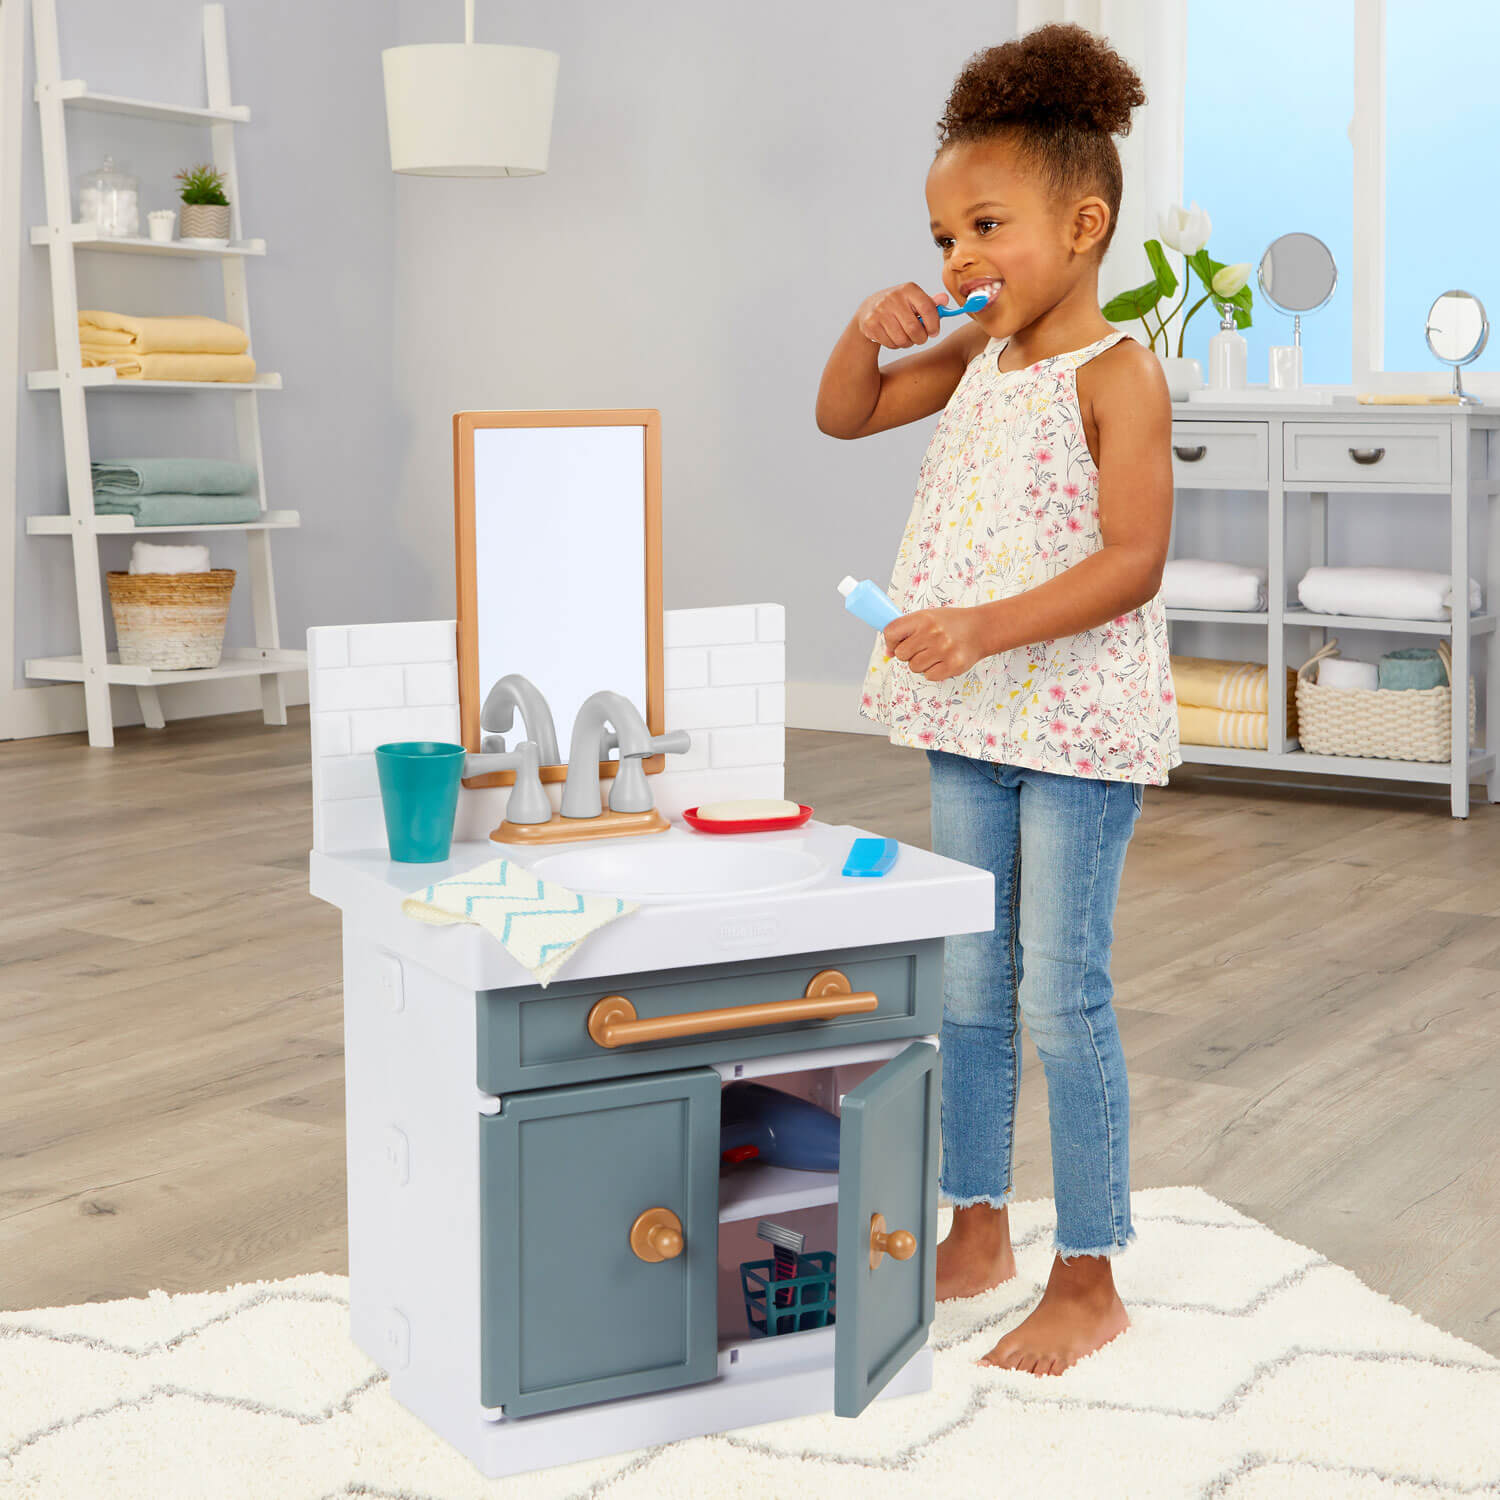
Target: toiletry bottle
[(1226, 355), (869, 602)]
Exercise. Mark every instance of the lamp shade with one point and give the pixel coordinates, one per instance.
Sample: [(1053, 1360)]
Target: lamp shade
[(467, 109)]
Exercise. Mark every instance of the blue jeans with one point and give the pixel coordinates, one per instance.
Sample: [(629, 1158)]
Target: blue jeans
[(1056, 845)]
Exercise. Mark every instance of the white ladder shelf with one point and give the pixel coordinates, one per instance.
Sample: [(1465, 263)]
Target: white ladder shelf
[(93, 667)]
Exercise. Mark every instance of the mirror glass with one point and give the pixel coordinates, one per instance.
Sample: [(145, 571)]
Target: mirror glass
[(1297, 273), (1457, 329), (559, 567)]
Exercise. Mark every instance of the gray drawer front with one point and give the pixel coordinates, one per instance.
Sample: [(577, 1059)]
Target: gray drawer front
[(1398, 453), (534, 1038), (1220, 455)]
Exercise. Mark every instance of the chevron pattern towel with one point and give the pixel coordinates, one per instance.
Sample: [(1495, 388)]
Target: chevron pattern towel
[(539, 923)]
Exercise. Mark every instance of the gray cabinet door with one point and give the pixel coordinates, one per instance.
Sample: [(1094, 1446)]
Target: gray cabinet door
[(888, 1166), (571, 1313)]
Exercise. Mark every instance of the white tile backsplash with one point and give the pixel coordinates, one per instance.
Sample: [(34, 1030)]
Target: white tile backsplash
[(725, 684)]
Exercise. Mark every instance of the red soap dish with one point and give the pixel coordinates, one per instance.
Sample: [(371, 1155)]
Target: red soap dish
[(747, 825)]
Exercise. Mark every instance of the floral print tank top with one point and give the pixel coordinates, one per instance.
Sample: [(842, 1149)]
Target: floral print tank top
[(1008, 497)]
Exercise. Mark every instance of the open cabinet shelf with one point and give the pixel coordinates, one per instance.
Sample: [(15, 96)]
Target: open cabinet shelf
[(94, 667)]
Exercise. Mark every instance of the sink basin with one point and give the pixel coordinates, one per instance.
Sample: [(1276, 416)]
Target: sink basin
[(680, 869)]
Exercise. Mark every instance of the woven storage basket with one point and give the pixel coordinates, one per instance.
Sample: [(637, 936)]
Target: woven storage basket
[(172, 620), (1383, 723)]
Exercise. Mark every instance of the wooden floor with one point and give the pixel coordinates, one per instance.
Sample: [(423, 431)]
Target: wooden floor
[(1308, 983)]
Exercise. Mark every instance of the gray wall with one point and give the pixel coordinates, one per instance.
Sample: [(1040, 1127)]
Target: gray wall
[(316, 185), (725, 186)]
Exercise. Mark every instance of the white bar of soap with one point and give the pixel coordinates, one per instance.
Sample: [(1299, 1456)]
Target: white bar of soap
[(748, 808)]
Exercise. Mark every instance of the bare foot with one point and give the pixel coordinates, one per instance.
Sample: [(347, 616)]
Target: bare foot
[(976, 1254), (1079, 1312)]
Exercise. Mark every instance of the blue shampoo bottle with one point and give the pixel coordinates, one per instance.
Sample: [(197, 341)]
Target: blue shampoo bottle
[(869, 602)]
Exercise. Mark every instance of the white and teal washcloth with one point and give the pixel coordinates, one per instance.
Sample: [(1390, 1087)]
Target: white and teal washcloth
[(539, 922)]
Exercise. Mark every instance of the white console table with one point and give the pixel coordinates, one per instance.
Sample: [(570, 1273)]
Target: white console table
[(1345, 448)]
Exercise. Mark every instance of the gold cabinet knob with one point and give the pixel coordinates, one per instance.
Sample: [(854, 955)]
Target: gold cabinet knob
[(901, 1244), (657, 1235)]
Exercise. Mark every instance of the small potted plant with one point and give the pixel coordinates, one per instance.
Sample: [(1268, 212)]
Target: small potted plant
[(205, 209)]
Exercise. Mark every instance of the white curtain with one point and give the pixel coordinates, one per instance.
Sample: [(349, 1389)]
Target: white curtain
[(1152, 36)]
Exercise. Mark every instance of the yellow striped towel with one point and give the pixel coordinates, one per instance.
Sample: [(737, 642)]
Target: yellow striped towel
[(1238, 686)]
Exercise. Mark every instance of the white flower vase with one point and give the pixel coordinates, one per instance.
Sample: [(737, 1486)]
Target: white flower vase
[(1183, 375)]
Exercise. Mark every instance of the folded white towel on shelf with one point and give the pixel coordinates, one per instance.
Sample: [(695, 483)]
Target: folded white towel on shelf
[(152, 557), (1199, 583), (1347, 672), (1387, 593)]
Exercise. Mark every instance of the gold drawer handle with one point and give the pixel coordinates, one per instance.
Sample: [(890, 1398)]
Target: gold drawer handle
[(1190, 454), (657, 1235), (899, 1243), (1367, 455), (613, 1023)]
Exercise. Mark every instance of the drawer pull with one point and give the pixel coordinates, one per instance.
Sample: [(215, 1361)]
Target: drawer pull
[(899, 1243), (613, 1023), (1367, 455), (657, 1235), (1190, 455)]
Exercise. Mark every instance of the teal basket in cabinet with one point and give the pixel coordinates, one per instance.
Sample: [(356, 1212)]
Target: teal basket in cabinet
[(803, 1301)]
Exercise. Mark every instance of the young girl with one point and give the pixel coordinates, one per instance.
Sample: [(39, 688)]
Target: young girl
[(1031, 659)]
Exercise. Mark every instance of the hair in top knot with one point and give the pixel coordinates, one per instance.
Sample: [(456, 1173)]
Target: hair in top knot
[(1061, 94)]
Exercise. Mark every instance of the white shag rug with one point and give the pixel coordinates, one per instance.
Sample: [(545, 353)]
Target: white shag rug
[(1254, 1370)]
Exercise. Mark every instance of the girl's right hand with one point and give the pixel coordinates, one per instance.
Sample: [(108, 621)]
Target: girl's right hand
[(899, 317)]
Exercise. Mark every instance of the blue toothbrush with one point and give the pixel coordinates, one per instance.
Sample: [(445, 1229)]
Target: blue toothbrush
[(976, 301)]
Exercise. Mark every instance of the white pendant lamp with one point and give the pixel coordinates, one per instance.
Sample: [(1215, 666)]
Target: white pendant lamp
[(465, 109)]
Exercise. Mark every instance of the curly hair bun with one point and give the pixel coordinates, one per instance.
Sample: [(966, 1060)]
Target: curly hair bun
[(1058, 77)]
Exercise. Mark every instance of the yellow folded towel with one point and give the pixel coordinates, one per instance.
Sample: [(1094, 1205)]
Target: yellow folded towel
[(190, 335), (170, 366), (1238, 686), (1215, 726)]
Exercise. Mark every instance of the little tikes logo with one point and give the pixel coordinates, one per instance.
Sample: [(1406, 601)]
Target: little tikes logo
[(744, 931)]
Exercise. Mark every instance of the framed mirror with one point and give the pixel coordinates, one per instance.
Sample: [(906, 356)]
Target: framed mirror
[(1457, 331), (1297, 275), (557, 522)]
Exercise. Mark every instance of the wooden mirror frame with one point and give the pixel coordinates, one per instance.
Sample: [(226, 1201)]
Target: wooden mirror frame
[(465, 425)]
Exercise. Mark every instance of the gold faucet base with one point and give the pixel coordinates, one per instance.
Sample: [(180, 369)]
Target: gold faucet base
[(559, 830)]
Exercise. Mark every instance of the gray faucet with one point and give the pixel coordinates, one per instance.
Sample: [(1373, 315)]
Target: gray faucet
[(590, 745), (528, 801)]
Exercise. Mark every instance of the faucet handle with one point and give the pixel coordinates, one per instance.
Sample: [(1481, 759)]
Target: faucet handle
[(528, 801), (678, 742)]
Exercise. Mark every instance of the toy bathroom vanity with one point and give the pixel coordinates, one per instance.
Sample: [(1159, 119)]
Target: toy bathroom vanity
[(543, 1248)]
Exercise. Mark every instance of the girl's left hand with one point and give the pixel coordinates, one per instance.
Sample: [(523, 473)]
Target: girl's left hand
[(938, 643)]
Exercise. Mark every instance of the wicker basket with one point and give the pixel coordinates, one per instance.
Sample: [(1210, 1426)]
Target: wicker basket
[(172, 620), (1382, 723)]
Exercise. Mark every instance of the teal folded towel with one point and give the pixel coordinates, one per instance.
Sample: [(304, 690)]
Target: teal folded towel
[(172, 476), (1414, 667), (180, 510)]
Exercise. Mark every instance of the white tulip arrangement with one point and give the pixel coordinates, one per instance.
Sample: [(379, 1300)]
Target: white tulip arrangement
[(1185, 230)]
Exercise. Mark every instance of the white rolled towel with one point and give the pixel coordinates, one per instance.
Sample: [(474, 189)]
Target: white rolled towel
[(1347, 672), (1199, 583), (1387, 593), (152, 557)]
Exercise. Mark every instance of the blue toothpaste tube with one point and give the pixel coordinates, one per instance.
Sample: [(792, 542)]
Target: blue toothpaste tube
[(868, 602)]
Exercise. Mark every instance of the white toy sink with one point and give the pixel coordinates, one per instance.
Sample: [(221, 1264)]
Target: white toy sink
[(685, 868)]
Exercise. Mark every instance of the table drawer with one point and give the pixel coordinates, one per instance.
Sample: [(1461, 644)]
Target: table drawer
[(1220, 455), (1396, 453), (534, 1038)]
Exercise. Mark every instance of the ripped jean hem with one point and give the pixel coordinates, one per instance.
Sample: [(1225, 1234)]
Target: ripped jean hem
[(990, 1200), (1070, 1252)]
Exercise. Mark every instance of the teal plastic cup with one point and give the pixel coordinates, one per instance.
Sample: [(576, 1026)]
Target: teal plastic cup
[(419, 792)]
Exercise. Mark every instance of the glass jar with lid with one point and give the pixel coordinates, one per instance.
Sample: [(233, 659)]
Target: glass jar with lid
[(110, 199)]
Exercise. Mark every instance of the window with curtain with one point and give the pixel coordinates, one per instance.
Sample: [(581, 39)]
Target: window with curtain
[(1267, 108)]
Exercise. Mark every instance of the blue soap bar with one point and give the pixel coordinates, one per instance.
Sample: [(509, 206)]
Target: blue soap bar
[(871, 856)]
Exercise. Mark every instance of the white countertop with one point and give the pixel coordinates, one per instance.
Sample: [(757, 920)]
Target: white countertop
[(1341, 408), (923, 896)]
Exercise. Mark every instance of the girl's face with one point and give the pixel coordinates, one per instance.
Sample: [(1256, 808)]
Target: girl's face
[(997, 224)]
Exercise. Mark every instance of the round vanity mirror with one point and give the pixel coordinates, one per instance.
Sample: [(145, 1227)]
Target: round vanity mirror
[(1297, 275), (1457, 331)]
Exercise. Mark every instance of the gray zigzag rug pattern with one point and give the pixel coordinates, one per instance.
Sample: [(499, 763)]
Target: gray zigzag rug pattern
[(1254, 1368)]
